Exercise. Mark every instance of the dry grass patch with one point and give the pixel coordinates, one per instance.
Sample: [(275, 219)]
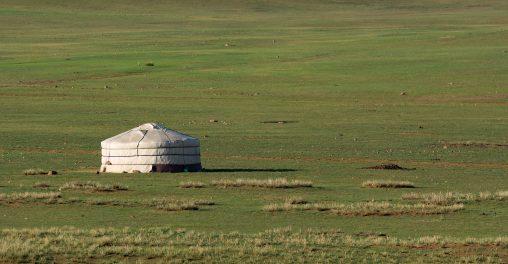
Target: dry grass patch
[(442, 198), (33, 172), (39, 172), (68, 244), (93, 187), (41, 185), (388, 184), (164, 203), (170, 204), (30, 197), (106, 202), (295, 200), (366, 208), (191, 184), (268, 183)]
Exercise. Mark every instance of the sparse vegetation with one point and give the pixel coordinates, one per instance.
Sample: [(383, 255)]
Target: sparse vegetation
[(295, 200), (41, 185), (33, 172), (30, 197), (93, 187), (170, 204), (269, 183), (366, 208), (388, 184), (191, 184), (164, 203), (39, 172), (70, 244), (106, 201), (441, 198)]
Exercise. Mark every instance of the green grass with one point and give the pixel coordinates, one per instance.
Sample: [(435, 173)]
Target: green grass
[(74, 73)]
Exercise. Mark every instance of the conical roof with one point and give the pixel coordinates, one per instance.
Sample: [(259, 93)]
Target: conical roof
[(148, 136)]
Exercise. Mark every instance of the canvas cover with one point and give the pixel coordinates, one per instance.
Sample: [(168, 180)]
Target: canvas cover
[(150, 147)]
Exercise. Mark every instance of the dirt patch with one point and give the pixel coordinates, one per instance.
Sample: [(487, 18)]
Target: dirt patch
[(388, 167)]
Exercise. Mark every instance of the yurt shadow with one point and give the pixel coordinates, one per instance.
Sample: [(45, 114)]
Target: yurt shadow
[(246, 170)]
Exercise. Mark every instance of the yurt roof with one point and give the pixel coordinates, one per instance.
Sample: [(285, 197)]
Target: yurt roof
[(149, 135)]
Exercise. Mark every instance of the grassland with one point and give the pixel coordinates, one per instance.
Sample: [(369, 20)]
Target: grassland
[(313, 91), (274, 246)]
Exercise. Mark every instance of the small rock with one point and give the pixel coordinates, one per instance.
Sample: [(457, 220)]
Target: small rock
[(214, 120), (52, 172), (445, 147), (226, 45), (403, 93)]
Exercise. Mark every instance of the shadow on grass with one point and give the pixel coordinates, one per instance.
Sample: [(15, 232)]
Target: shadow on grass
[(247, 170)]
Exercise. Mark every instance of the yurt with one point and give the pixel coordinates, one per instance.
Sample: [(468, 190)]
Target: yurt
[(150, 148)]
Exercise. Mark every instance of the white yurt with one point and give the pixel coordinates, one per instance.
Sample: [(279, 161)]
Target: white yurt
[(150, 148)]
